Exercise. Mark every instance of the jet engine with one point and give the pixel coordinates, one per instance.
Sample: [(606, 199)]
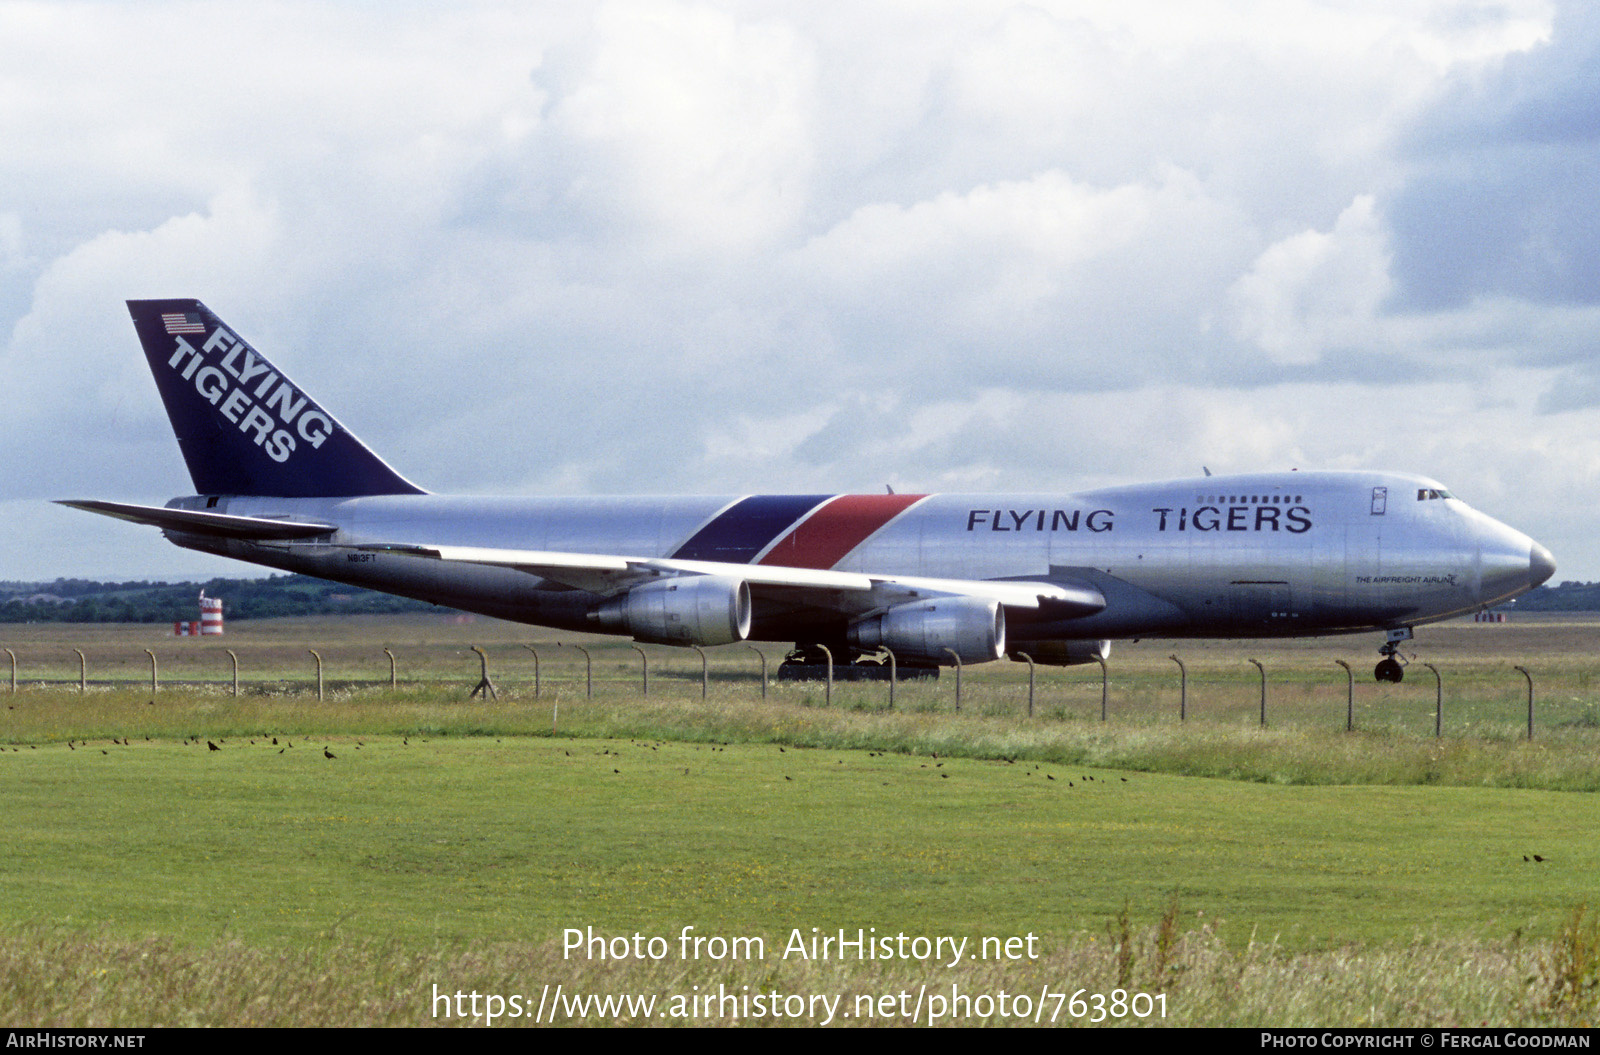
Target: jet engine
[(973, 628), (1063, 653), (685, 610)]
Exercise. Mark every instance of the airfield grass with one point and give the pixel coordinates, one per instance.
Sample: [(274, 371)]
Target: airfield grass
[(1381, 877)]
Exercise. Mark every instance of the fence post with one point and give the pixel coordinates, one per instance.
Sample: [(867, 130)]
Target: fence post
[(319, 672), (763, 656), (155, 684), (892, 673), (705, 672), (1438, 701), (235, 660), (588, 671), (1105, 688), (1349, 697), (13, 656), (555, 705), (484, 686), (958, 677), (391, 669), (1029, 659), (83, 672), (1525, 674), (1183, 688), (1263, 671), (644, 662), (535, 652), (827, 696)]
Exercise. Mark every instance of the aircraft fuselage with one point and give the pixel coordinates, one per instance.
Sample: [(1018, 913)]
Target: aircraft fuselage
[(1265, 555)]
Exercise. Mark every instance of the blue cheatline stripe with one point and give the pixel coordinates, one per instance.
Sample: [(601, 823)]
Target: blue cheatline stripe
[(747, 527)]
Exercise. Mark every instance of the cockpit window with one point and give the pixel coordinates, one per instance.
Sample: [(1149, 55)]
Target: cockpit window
[(1428, 494)]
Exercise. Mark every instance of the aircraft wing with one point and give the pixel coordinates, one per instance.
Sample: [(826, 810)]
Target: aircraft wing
[(853, 593)]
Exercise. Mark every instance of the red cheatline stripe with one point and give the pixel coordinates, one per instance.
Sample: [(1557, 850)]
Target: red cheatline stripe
[(828, 535)]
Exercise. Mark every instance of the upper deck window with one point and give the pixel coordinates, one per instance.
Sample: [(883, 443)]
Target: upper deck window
[(1427, 494)]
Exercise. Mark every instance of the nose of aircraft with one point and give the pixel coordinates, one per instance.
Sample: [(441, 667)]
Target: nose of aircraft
[(1541, 565), (1509, 563)]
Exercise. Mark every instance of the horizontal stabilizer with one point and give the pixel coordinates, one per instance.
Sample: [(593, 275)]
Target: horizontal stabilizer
[(194, 522)]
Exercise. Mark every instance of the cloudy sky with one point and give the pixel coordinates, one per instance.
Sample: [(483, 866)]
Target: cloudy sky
[(723, 247)]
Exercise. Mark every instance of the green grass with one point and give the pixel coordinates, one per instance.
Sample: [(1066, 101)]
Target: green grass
[(483, 838), (1369, 878)]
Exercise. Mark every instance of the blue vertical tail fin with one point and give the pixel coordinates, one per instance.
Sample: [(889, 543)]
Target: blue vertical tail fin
[(244, 428)]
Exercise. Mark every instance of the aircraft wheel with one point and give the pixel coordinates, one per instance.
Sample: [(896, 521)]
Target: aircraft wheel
[(1388, 670)]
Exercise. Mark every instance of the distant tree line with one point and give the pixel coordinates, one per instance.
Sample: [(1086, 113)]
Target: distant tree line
[(1568, 597), (86, 601)]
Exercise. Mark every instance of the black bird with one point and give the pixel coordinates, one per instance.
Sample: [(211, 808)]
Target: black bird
[(212, 746), (328, 754)]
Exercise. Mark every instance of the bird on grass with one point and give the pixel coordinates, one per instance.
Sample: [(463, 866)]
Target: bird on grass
[(328, 754)]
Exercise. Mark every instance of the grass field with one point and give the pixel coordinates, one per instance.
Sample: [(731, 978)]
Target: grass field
[(1296, 874)]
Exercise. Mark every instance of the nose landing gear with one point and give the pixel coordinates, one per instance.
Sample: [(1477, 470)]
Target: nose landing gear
[(1389, 668)]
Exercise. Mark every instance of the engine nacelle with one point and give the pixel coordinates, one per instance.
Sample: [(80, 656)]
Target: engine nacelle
[(975, 629), (1063, 653), (684, 610)]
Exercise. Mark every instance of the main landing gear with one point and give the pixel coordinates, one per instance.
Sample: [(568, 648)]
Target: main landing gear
[(1389, 668)]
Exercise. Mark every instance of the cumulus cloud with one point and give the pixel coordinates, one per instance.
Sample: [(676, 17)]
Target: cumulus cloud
[(693, 126), (1315, 291), (718, 246), (1047, 281)]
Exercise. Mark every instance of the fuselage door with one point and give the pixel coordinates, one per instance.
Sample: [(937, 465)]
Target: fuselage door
[(1380, 500)]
